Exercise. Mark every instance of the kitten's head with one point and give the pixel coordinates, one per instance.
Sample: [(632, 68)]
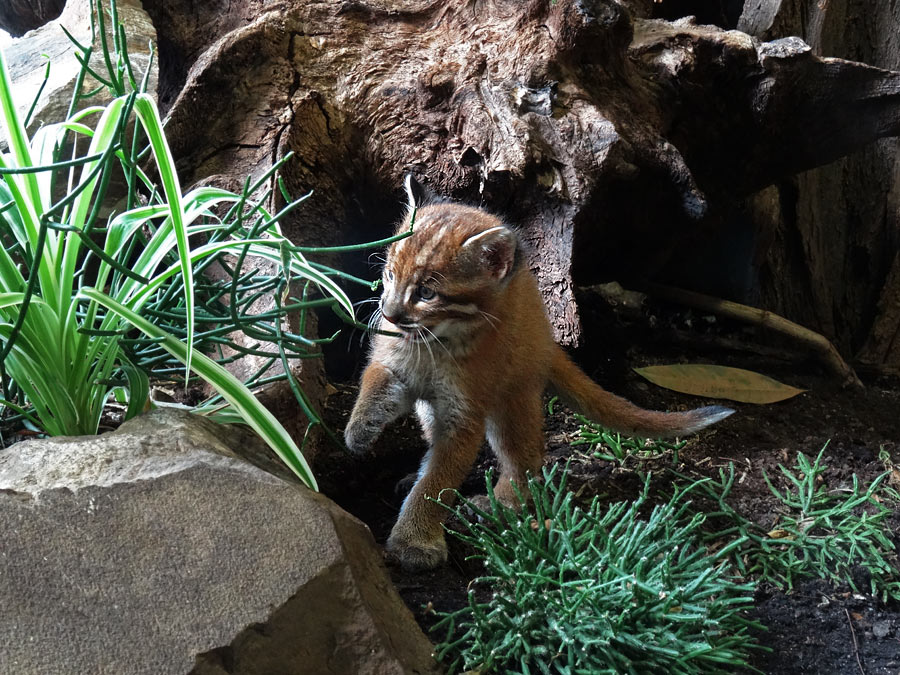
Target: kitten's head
[(447, 276)]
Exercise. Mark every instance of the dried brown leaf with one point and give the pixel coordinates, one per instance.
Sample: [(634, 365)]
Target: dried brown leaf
[(712, 381)]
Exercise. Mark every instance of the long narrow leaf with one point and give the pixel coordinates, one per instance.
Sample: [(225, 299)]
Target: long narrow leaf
[(29, 233), (16, 138), (138, 388), (145, 108), (270, 251), (232, 390), (104, 136)]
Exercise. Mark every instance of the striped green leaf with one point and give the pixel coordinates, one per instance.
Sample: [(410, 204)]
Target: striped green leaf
[(232, 390)]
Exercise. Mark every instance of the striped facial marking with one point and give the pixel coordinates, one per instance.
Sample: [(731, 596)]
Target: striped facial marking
[(431, 281)]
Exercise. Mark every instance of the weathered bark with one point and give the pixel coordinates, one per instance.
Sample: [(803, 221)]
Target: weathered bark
[(836, 230), (17, 17), (613, 143)]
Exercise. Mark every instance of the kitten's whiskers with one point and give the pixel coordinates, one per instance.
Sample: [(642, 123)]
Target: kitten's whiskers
[(490, 318), (441, 343), (424, 338)]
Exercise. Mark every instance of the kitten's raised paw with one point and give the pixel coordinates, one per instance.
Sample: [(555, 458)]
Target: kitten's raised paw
[(417, 557), (360, 437)]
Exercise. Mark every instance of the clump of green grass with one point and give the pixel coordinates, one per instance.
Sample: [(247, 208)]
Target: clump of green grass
[(596, 590), (820, 532)]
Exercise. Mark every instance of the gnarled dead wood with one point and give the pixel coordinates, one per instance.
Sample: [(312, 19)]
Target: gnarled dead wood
[(604, 138), (816, 343), (836, 228)]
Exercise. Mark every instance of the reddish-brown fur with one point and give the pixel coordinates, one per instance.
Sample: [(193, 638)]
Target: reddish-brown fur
[(475, 354)]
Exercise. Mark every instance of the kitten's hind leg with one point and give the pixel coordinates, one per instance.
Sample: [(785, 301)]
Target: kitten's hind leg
[(516, 436)]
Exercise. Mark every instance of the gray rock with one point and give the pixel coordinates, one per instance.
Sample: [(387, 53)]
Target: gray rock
[(152, 549), (27, 64)]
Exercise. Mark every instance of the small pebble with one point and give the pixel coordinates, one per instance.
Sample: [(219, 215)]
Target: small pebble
[(882, 628)]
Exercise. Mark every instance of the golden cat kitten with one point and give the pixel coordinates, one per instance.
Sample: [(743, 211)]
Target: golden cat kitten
[(475, 356)]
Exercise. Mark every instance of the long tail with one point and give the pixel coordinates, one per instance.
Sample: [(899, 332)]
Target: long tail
[(593, 401)]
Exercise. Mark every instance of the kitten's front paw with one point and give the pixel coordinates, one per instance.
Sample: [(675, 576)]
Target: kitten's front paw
[(417, 556), (360, 437)]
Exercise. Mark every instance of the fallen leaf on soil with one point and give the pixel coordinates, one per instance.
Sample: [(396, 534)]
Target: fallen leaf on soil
[(711, 381), (780, 534)]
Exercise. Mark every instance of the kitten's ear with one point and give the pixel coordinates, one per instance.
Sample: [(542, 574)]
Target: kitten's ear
[(496, 250), (416, 193)]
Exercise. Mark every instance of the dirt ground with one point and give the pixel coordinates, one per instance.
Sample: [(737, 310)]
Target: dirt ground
[(816, 628)]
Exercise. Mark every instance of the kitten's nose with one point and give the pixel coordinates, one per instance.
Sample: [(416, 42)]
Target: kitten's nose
[(391, 311)]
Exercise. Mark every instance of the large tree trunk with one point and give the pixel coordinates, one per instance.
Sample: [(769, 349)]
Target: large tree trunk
[(17, 17), (618, 144), (838, 227)]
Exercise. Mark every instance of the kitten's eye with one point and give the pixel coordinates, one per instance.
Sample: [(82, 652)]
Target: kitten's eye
[(390, 275), (425, 292)]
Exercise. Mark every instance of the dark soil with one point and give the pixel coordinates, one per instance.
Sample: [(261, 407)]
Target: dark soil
[(817, 627)]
